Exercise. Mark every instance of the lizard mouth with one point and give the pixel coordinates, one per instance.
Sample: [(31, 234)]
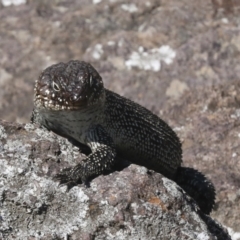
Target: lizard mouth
[(69, 86)]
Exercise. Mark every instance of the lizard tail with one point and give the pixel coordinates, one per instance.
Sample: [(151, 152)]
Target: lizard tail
[(198, 187)]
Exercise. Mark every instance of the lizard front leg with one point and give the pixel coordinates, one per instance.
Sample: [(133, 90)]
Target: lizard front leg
[(102, 158)]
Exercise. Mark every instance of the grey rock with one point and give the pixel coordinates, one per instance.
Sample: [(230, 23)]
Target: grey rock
[(130, 204)]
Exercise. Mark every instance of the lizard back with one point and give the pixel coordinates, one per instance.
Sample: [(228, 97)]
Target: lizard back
[(142, 136)]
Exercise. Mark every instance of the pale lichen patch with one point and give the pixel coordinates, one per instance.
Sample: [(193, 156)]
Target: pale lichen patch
[(96, 1), (3, 134), (29, 127), (151, 59), (131, 7), (7, 3), (233, 234), (96, 51)]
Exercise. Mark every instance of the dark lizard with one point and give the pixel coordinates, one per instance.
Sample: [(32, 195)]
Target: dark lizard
[(70, 99)]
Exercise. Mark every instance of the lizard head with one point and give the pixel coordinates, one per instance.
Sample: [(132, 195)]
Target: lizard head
[(68, 86)]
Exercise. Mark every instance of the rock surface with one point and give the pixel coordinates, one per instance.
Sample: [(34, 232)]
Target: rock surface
[(131, 204), (179, 59)]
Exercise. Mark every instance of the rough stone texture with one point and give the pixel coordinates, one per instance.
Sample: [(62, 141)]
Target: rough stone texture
[(211, 141), (130, 204), (196, 91)]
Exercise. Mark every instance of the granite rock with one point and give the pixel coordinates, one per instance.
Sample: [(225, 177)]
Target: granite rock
[(130, 204)]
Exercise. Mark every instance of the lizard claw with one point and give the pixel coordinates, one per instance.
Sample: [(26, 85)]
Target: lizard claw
[(64, 178)]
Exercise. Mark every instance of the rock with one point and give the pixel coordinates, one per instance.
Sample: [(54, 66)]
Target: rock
[(109, 34), (176, 89), (209, 120), (130, 204)]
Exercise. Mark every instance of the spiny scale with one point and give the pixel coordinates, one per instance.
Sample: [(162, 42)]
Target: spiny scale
[(71, 100)]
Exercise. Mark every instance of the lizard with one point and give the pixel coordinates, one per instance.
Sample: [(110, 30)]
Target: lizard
[(71, 100)]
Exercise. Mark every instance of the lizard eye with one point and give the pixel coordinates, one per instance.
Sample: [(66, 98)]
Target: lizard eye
[(55, 87)]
